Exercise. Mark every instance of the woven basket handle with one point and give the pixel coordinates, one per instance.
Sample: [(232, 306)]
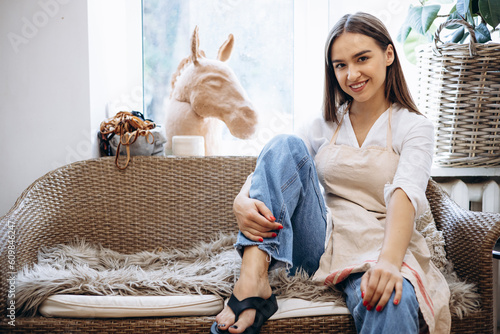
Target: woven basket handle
[(472, 42)]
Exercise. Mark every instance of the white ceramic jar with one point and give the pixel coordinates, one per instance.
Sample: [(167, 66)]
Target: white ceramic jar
[(188, 145)]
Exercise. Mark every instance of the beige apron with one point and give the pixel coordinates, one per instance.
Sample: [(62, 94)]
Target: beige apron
[(354, 180)]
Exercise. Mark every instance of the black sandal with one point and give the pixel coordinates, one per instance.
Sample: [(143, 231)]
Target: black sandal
[(264, 308)]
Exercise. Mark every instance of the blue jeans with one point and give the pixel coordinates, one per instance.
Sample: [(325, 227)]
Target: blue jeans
[(402, 318), (285, 180)]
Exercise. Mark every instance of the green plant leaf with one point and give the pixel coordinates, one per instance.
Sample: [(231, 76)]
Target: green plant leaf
[(457, 35), (470, 19), (420, 18), (490, 11), (411, 43), (463, 7), (414, 19), (474, 5), (403, 33), (464, 38), (429, 14), (429, 36), (405, 28), (482, 33), (453, 16)]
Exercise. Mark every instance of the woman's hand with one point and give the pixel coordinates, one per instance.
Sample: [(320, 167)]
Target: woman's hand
[(378, 283), (254, 219)]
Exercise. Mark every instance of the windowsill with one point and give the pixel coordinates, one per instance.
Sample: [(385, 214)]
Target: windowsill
[(465, 172)]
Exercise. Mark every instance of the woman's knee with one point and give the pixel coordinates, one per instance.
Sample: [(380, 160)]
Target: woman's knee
[(405, 311), (401, 317), (287, 144), (288, 139), (409, 298)]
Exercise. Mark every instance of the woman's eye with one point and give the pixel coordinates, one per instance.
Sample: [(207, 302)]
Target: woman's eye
[(362, 59), (339, 66)]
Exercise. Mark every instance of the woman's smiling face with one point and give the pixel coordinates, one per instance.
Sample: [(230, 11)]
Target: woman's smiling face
[(360, 66)]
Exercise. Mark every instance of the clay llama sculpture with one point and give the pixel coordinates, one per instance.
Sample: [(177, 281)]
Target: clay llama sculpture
[(205, 94)]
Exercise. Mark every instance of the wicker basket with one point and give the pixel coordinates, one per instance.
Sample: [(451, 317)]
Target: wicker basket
[(459, 90)]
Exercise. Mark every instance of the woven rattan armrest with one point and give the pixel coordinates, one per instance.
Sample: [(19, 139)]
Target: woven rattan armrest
[(470, 237)]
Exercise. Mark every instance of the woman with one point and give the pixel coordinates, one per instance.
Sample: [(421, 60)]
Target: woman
[(372, 152)]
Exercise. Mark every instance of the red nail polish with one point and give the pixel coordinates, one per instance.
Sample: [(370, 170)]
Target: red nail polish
[(379, 308), (369, 307), (396, 302), (280, 227), (274, 235), (362, 294), (261, 240), (365, 303), (272, 218)]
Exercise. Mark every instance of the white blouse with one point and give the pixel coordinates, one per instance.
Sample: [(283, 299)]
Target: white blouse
[(412, 140)]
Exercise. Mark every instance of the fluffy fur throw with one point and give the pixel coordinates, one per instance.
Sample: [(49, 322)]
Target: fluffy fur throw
[(207, 268)]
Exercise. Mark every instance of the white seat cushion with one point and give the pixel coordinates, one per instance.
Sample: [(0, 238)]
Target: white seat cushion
[(84, 306), (297, 308)]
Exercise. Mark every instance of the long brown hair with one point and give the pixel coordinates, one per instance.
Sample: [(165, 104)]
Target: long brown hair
[(396, 89)]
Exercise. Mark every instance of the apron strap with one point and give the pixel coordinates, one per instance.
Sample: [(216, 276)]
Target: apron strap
[(389, 130), (335, 135)]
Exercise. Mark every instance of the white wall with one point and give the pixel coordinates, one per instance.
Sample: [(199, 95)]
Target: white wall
[(62, 62), (44, 90), (115, 56)]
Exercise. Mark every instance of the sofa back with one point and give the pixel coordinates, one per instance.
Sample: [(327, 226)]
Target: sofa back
[(155, 202)]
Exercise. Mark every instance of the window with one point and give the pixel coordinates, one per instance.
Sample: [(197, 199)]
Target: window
[(262, 56), (277, 56)]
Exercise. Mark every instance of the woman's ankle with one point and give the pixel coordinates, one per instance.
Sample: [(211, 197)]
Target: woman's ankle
[(254, 278), (252, 287), (255, 261)]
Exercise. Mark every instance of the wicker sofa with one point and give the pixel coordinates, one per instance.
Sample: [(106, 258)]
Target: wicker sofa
[(126, 209)]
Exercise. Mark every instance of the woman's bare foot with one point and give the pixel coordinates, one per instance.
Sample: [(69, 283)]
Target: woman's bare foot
[(253, 282)]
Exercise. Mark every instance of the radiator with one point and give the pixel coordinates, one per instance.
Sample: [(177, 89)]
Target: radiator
[(484, 196)]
